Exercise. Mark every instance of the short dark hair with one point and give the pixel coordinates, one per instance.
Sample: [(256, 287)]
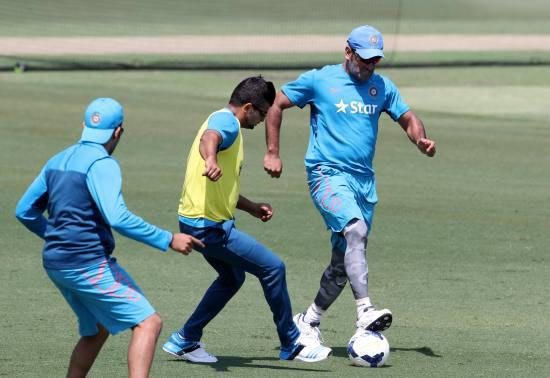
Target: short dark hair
[(255, 90)]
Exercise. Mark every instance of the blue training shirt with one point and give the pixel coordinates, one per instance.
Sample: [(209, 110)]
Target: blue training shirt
[(224, 122), (81, 188), (344, 116)]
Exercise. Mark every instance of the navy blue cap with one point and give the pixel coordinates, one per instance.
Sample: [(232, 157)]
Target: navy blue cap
[(101, 118), (366, 41)]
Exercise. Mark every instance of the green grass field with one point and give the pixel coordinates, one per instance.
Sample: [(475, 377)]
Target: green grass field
[(169, 17), (142, 18), (459, 249)]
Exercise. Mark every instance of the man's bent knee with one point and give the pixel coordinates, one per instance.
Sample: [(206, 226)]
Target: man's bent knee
[(152, 324), (356, 231), (280, 268), (276, 271), (239, 280)]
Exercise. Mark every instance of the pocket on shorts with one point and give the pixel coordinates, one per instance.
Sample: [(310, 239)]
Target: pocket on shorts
[(327, 188)]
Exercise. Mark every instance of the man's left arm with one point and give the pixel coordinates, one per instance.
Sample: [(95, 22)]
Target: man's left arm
[(33, 203), (414, 128), (262, 211), (104, 181)]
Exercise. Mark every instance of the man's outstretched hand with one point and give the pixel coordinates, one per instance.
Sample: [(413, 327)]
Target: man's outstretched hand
[(184, 243)]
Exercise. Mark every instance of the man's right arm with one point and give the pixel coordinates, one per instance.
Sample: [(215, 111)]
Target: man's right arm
[(208, 148), (272, 160)]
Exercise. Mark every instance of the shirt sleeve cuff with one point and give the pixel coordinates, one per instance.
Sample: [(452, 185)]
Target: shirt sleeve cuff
[(167, 239)]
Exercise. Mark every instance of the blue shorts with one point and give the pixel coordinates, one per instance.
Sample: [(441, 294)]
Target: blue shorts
[(102, 293), (341, 197)]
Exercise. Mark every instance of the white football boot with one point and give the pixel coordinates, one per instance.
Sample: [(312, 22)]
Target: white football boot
[(310, 334), (313, 353), (375, 320)]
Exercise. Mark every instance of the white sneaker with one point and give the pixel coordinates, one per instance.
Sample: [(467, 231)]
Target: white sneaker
[(313, 353), (199, 355), (310, 335), (375, 320), (188, 350)]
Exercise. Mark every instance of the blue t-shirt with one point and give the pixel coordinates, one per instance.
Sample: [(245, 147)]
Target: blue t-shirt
[(224, 122), (344, 116), (81, 189)]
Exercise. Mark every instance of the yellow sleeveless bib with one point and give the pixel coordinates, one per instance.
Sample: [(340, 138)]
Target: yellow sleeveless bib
[(213, 200)]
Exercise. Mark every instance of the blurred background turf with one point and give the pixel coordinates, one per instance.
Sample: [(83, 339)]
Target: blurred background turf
[(132, 18), (213, 17)]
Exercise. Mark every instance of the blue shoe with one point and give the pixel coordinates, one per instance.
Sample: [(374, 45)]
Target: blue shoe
[(187, 350), (304, 353)]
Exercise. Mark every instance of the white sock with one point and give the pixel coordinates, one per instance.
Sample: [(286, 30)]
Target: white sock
[(363, 305), (314, 314)]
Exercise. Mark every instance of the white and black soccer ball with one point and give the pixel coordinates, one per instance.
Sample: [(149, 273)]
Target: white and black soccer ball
[(368, 348)]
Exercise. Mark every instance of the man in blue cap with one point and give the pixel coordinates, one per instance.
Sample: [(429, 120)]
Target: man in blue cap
[(346, 101), (80, 187)]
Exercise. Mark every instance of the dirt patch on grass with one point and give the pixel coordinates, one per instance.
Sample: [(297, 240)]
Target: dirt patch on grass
[(233, 44)]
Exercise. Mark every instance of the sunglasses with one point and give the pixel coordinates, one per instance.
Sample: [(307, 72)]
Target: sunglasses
[(373, 60)]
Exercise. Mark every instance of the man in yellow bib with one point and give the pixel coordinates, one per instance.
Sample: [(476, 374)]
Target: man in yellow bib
[(206, 211)]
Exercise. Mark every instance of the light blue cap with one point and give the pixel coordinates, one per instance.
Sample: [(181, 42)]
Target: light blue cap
[(101, 118), (366, 41)]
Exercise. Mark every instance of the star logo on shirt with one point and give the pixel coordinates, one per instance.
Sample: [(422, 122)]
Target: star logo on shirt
[(341, 106)]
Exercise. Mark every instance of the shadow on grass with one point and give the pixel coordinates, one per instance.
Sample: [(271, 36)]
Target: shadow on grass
[(427, 351), (225, 363)]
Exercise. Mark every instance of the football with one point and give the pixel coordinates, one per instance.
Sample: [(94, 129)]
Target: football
[(368, 348)]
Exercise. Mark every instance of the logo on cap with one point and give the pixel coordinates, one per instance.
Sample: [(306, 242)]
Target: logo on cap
[(373, 91), (373, 40), (95, 118)]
